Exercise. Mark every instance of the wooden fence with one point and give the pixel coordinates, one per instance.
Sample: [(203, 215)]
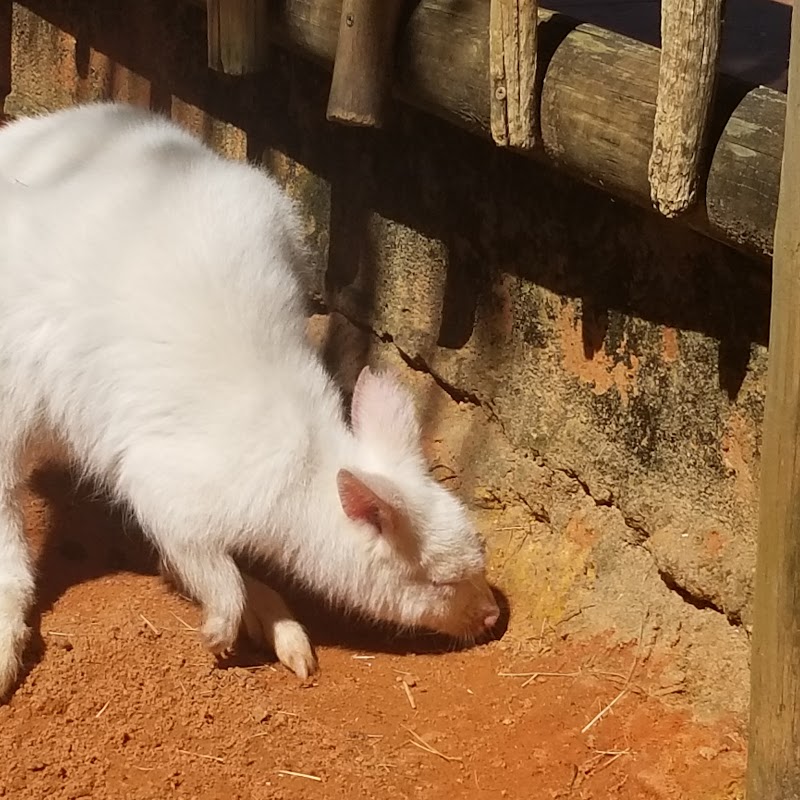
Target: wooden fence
[(594, 106)]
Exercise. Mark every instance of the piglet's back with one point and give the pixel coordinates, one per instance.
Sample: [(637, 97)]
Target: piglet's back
[(137, 259)]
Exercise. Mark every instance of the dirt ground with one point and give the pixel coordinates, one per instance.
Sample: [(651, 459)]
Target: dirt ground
[(119, 700)]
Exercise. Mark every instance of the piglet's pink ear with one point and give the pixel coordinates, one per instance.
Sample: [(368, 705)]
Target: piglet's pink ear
[(369, 499), (383, 412)]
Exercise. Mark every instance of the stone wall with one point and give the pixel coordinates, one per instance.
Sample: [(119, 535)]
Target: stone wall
[(591, 376)]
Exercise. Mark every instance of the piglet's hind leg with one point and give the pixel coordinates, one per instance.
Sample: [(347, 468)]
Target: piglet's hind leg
[(212, 579)]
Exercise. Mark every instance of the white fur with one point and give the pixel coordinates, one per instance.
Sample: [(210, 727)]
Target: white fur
[(151, 318)]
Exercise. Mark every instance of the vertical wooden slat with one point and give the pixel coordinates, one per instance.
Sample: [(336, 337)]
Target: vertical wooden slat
[(237, 36), (774, 758), (690, 40), (512, 68), (362, 71)]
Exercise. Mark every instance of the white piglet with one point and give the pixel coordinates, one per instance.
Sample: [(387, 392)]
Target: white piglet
[(152, 320)]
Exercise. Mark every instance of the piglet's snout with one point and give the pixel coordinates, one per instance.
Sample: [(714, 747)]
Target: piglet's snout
[(490, 620), (487, 616), (472, 612), (483, 611)]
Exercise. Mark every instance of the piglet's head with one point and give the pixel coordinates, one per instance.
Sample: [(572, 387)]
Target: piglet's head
[(423, 561)]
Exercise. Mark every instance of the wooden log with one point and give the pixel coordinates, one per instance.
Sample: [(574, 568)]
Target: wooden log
[(597, 107), (743, 182), (364, 62), (237, 36), (597, 111), (690, 39), (512, 67), (773, 771)]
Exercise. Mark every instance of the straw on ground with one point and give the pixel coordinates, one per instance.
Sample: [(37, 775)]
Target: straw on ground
[(419, 742), (299, 775)]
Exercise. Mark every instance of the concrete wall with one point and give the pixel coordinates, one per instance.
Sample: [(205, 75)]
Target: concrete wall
[(592, 377)]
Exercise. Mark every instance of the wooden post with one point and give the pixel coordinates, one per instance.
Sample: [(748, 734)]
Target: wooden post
[(774, 758), (512, 71), (362, 71), (690, 40), (237, 36)]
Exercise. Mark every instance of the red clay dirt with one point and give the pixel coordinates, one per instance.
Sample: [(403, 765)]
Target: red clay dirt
[(119, 700)]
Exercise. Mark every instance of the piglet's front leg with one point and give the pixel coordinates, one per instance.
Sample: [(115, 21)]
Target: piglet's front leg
[(268, 622)]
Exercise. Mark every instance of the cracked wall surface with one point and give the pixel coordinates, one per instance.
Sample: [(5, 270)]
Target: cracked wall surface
[(591, 377)]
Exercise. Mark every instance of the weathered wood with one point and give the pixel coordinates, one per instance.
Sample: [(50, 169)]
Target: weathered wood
[(597, 106), (512, 67), (690, 39), (774, 744), (597, 109), (742, 188), (237, 36), (362, 71)]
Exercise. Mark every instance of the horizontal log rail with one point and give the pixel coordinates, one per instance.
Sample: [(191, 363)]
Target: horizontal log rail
[(598, 101)]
